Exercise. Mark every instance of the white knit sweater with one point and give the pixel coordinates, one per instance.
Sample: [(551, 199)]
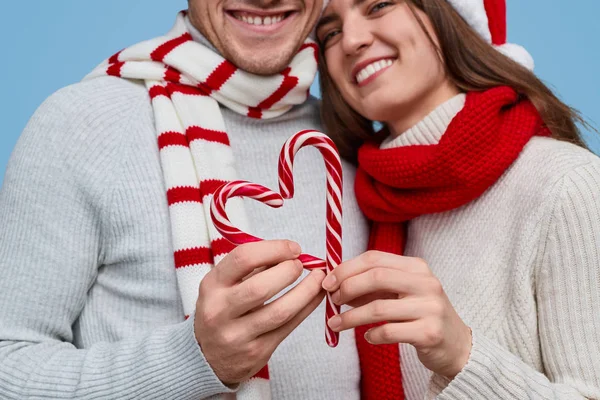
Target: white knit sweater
[(89, 304), (88, 300), (521, 265)]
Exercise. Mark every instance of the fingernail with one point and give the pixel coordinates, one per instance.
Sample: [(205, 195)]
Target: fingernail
[(334, 322), (295, 248), (336, 297), (368, 337), (329, 282)]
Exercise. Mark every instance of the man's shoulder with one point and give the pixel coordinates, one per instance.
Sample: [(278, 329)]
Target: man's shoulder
[(98, 95), (99, 107), (89, 123)]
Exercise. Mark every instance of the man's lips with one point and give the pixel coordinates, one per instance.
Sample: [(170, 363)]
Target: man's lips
[(261, 21)]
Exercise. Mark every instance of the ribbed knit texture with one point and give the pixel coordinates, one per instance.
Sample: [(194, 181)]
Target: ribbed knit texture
[(520, 265), (89, 305), (431, 128), (398, 184)]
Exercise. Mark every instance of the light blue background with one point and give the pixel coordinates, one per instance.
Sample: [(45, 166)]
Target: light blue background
[(49, 44)]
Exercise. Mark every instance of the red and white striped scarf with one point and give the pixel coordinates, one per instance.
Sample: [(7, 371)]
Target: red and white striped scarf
[(187, 82)]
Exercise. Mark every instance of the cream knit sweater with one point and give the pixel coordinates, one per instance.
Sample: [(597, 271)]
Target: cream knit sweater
[(521, 265)]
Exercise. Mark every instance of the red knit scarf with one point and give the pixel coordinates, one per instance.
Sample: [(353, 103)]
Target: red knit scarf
[(396, 185)]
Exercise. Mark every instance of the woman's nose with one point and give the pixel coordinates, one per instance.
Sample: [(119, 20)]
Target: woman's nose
[(357, 36)]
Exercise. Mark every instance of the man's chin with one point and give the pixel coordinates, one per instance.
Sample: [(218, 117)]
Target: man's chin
[(263, 62)]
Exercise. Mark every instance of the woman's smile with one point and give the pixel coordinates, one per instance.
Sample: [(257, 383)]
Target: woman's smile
[(367, 71)]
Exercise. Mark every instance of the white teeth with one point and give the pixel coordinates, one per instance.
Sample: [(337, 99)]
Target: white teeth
[(362, 75), (256, 20), (372, 68)]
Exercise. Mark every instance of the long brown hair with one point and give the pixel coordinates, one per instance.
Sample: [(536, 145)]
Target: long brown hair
[(471, 64)]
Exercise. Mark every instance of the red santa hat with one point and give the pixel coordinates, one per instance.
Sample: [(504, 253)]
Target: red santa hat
[(488, 19)]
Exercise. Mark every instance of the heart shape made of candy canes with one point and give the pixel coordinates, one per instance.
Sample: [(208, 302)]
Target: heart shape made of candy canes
[(273, 199)]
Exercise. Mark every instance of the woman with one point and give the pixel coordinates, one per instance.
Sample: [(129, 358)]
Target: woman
[(484, 201)]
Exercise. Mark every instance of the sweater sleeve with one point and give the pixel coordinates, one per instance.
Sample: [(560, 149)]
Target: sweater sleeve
[(50, 247), (568, 298)]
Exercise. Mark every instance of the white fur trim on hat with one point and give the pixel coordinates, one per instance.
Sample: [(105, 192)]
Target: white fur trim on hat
[(473, 12), (517, 53)]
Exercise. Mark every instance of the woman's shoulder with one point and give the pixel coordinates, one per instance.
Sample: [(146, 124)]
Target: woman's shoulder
[(545, 170), (549, 161), (569, 210), (550, 173), (544, 149)]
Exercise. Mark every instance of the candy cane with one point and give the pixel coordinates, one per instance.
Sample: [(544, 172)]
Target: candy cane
[(256, 192), (286, 186)]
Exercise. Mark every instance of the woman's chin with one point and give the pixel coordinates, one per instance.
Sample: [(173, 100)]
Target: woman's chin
[(384, 105), (382, 115)]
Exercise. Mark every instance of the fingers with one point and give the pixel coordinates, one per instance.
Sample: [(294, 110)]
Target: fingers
[(255, 291), (244, 259), (382, 280), (361, 301), (378, 311), (373, 259), (254, 272), (279, 318), (414, 332)]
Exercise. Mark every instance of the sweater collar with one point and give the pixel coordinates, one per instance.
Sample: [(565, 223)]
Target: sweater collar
[(431, 129)]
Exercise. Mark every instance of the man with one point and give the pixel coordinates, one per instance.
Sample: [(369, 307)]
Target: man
[(90, 300)]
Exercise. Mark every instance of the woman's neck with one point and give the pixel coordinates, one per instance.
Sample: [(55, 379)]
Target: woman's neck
[(429, 129), (428, 104)]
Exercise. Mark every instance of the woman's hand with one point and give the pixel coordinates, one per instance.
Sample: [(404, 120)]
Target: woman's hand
[(402, 291)]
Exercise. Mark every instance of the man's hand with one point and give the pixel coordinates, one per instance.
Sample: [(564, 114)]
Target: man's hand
[(236, 331)]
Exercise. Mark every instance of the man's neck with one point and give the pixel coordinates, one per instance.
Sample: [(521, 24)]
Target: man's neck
[(198, 36)]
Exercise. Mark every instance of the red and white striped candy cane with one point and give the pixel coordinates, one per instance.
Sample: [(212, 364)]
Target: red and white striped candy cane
[(286, 186), (334, 202), (256, 192)]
